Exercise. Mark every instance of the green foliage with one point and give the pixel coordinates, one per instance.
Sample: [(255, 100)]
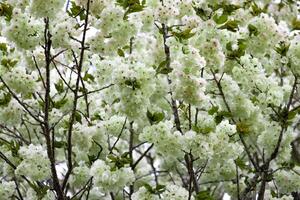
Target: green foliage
[(134, 84), (8, 63), (121, 53), (256, 10), (5, 100), (242, 127), (40, 189), (220, 19), (184, 35), (204, 195), (159, 189), (88, 77), (296, 24), (234, 54), (282, 48), (252, 30), (203, 14), (60, 144), (76, 11), (60, 103), (6, 10), (131, 6), (155, 117), (78, 117), (222, 115), (59, 86), (231, 25), (14, 147), (213, 110), (119, 161), (163, 68), (3, 47)]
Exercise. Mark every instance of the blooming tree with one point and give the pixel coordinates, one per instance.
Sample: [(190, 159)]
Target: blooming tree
[(149, 99)]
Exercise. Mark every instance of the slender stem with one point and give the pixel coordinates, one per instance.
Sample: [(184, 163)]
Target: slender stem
[(75, 101), (46, 125)]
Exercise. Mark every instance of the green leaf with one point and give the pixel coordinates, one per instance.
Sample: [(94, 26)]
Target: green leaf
[(14, 148), (229, 8), (204, 195), (213, 110), (220, 19), (60, 144), (78, 117), (8, 63), (256, 10), (231, 25), (149, 188), (133, 83), (76, 11), (203, 14), (3, 47), (282, 48), (60, 103), (183, 35), (163, 68), (270, 177), (88, 77), (295, 24), (59, 86), (233, 54), (121, 53), (120, 161), (252, 30), (155, 190), (185, 50), (241, 164), (156, 117), (5, 100), (274, 194), (242, 127), (221, 115), (131, 6), (6, 10)]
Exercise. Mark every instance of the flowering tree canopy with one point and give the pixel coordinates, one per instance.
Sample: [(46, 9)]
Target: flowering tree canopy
[(149, 99)]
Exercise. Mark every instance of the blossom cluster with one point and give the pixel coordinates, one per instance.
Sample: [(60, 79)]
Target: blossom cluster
[(156, 99)]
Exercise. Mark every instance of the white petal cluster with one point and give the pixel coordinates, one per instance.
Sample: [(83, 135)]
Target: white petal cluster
[(175, 192), (36, 164), (96, 6), (12, 113), (20, 81), (166, 142), (287, 181), (61, 32), (268, 195), (7, 189), (50, 9), (212, 51), (294, 54), (134, 87), (24, 31), (108, 179), (188, 84), (251, 75), (85, 139), (269, 34), (144, 194)]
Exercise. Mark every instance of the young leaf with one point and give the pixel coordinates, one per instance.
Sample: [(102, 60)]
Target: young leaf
[(220, 19), (252, 30), (204, 195), (6, 10), (231, 25)]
